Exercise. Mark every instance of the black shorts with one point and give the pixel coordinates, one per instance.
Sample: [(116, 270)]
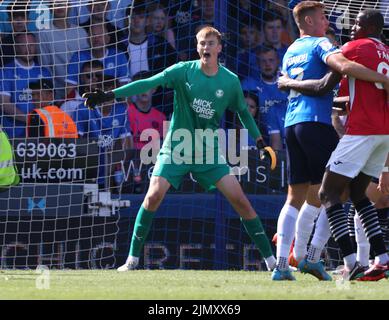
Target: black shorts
[(308, 148), (375, 180)]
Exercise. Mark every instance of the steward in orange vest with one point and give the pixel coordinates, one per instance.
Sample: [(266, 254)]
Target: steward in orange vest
[(48, 120)]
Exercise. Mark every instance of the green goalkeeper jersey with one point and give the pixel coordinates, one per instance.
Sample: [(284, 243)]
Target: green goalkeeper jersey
[(199, 104)]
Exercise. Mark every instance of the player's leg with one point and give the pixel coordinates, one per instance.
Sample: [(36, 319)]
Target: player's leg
[(333, 186), (318, 155), (305, 222), (381, 203), (352, 155), (298, 184), (369, 220), (144, 218), (229, 186), (363, 245)]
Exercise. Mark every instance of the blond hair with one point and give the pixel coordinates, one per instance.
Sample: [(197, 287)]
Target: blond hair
[(209, 31), (305, 8)]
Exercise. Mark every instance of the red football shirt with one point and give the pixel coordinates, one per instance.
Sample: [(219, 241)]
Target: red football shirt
[(369, 111), (140, 121)]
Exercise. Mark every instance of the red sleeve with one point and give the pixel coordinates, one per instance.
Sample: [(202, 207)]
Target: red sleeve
[(360, 51), (343, 88)]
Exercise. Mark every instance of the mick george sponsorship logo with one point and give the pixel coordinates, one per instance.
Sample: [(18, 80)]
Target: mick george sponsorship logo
[(203, 108)]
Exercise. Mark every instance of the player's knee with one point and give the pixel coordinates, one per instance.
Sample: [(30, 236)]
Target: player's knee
[(324, 196), (153, 199)]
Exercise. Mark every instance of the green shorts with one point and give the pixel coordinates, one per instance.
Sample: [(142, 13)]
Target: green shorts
[(205, 174)]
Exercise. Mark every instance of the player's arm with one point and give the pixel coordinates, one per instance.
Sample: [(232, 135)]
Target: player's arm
[(136, 87), (311, 87), (383, 184), (10, 108), (337, 61)]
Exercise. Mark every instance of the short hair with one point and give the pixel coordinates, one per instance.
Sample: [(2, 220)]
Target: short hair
[(252, 95), (331, 31), (18, 35), (209, 31), (304, 8), (92, 64), (273, 15), (374, 18), (266, 49), (18, 9), (42, 84), (137, 8), (141, 75)]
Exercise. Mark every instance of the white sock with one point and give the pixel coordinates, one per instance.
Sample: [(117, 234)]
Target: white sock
[(132, 260), (320, 237), (286, 227), (349, 261), (382, 258), (270, 263), (304, 227), (363, 245)]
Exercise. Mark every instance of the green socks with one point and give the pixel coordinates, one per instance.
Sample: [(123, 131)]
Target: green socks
[(142, 226), (257, 234)]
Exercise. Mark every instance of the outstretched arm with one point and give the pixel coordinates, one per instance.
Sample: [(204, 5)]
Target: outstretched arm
[(316, 87), (340, 63), (136, 87)]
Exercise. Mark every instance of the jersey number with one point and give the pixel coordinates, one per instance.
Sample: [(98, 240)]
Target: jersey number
[(300, 76), (382, 68)]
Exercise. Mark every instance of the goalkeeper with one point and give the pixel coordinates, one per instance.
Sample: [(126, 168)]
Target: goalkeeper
[(203, 91)]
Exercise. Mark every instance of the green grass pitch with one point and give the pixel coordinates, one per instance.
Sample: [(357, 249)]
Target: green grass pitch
[(180, 284)]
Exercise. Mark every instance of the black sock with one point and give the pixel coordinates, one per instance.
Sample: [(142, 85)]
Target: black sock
[(369, 219), (383, 221), (337, 219)]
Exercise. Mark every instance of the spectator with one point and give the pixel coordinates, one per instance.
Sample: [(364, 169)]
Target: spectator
[(15, 96), (252, 106), (203, 15), (147, 51), (250, 41), (142, 115), (58, 43), (159, 24), (115, 62), (91, 77), (272, 29), (331, 35), (47, 120), (271, 99), (109, 124), (98, 14), (18, 17)]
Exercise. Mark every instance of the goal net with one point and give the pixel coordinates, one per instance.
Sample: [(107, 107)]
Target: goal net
[(83, 178)]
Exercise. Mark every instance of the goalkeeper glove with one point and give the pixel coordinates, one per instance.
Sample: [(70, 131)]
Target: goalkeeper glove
[(97, 97), (266, 151)]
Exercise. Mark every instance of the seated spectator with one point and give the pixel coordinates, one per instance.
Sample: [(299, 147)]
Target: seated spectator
[(271, 99), (98, 14), (115, 63), (252, 106), (58, 43), (250, 41), (159, 24), (15, 97), (290, 31), (203, 15), (47, 120), (148, 52), (142, 115), (108, 124), (272, 30), (18, 19), (91, 77)]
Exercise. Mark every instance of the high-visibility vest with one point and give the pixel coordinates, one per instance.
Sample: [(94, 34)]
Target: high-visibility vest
[(57, 123), (8, 172)]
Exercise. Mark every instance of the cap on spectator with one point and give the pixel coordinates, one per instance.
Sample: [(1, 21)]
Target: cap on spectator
[(44, 84)]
